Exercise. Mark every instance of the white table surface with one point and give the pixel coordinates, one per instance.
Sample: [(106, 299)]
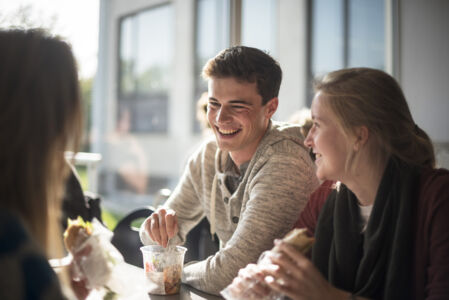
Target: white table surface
[(133, 281)]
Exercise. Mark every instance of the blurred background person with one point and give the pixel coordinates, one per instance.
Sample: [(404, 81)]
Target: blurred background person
[(201, 115), (303, 118), (128, 155)]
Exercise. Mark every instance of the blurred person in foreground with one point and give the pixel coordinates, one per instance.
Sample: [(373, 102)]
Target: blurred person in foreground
[(250, 181), (40, 118), (380, 219)]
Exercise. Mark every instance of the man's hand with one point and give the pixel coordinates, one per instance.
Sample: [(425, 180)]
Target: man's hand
[(162, 225)]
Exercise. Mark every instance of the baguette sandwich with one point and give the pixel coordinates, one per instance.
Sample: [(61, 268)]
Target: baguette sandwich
[(77, 232), (298, 238), (94, 259)]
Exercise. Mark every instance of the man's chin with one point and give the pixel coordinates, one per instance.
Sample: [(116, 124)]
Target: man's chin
[(225, 146)]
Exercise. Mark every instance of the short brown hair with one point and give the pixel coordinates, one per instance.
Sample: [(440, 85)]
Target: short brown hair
[(247, 64), (372, 98)]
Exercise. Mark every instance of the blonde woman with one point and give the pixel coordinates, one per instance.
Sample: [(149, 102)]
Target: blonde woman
[(40, 117), (382, 231)]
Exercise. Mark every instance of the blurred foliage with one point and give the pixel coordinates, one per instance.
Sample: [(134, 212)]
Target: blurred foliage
[(110, 219), (30, 16), (136, 223), (27, 16)]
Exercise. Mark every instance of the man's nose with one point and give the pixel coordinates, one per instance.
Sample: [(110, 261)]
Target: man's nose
[(223, 115)]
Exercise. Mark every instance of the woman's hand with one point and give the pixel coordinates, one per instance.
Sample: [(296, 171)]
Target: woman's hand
[(295, 276), (249, 284), (77, 280)]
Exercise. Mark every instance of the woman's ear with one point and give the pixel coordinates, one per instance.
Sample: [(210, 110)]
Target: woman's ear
[(361, 137)]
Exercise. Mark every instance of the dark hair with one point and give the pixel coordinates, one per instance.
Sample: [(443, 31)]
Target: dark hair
[(372, 98), (40, 118), (247, 64)]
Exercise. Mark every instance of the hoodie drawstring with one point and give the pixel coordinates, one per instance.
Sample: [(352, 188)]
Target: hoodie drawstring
[(212, 206)]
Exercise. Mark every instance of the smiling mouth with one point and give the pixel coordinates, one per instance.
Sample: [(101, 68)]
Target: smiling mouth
[(228, 132)]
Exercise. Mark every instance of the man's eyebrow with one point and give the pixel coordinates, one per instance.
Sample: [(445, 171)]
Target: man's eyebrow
[(240, 102), (232, 101)]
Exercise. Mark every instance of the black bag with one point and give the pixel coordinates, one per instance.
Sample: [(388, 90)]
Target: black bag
[(78, 203)]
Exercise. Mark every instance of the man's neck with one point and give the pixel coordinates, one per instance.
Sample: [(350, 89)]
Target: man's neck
[(245, 155), (240, 159)]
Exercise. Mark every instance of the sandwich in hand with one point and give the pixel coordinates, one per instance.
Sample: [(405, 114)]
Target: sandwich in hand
[(298, 238), (240, 289), (77, 232), (92, 252)]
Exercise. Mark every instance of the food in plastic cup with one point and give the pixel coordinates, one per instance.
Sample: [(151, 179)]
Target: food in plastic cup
[(163, 268)]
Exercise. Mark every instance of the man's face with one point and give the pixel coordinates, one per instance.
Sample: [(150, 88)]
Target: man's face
[(237, 117)]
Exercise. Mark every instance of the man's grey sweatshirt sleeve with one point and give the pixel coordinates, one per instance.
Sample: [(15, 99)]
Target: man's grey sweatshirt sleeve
[(277, 194)]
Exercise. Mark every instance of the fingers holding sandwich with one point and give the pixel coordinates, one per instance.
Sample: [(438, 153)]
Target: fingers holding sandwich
[(294, 275), (288, 256), (275, 267)]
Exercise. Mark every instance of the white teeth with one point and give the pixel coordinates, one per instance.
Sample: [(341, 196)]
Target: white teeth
[(317, 155), (223, 131)]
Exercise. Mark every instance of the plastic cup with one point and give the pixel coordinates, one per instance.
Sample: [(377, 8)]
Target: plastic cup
[(163, 268)]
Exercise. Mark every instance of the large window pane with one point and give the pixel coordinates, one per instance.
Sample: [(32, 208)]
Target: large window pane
[(327, 36), (155, 50), (212, 29), (259, 24), (127, 57), (212, 35), (347, 33), (146, 51), (366, 44)]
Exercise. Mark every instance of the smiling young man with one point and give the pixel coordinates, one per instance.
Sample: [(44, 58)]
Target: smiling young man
[(250, 181)]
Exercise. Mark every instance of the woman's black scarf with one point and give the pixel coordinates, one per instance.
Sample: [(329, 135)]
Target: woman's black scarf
[(377, 263)]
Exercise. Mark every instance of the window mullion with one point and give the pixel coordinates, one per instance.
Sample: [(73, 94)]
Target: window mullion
[(346, 24), (236, 22)]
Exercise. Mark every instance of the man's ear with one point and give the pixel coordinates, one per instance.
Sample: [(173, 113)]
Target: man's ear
[(361, 137), (271, 106)]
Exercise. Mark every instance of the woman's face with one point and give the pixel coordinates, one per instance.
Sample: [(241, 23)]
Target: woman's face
[(327, 141)]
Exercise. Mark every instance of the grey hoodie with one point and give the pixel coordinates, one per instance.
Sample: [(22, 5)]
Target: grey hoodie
[(267, 202)]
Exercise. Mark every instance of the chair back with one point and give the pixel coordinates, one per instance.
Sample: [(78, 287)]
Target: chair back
[(126, 237)]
